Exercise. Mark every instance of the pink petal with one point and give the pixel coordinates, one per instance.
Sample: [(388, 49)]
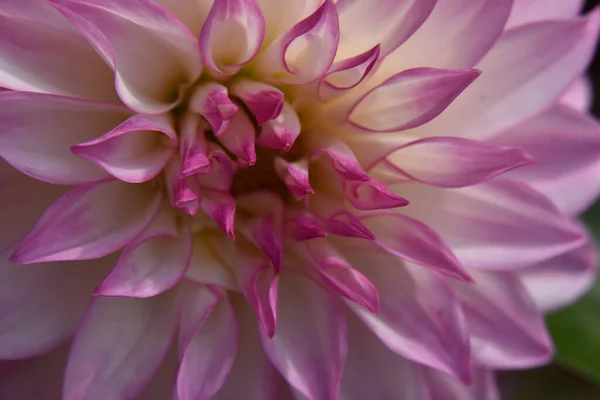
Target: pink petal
[(152, 52), (372, 371), (501, 224), (135, 151), (89, 222), (281, 16), (336, 219), (469, 28), (231, 35), (295, 176), (221, 174), (371, 195), (191, 12), (565, 145), (264, 101), (409, 99), (441, 386), (414, 241), (450, 161), (259, 282), (252, 376), (385, 22), (309, 347), (37, 131), (347, 74), (207, 265), (211, 100), (579, 95), (305, 52), (281, 132), (527, 70), (40, 51), (507, 329), (209, 341), (343, 160), (183, 192), (328, 267), (302, 226), (528, 11), (119, 346), (194, 146), (419, 316), (154, 262), (239, 139), (561, 280), (220, 207)]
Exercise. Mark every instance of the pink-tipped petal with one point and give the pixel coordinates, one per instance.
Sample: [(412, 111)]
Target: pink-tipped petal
[(153, 263), (260, 284), (387, 23), (527, 70), (211, 100), (302, 226), (347, 74), (152, 52), (89, 222), (41, 51), (209, 340), (221, 173), (343, 160), (220, 207), (183, 192), (120, 344), (528, 11), (507, 329), (231, 35), (450, 161), (207, 265), (414, 241), (562, 280), (310, 345), (264, 101), (410, 99), (336, 219), (328, 267), (194, 146), (281, 132), (305, 52), (371, 195), (135, 151), (419, 317), (37, 131), (295, 176), (239, 137)]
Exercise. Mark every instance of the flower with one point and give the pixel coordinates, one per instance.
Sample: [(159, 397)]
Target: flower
[(211, 198)]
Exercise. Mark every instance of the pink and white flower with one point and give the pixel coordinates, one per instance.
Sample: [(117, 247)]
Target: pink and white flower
[(271, 199)]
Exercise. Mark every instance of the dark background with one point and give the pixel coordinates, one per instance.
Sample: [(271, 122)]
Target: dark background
[(575, 375)]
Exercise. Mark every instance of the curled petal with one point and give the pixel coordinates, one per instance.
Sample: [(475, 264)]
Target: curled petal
[(194, 146), (220, 207), (148, 77), (302, 226), (208, 342), (410, 99), (183, 192), (239, 137), (305, 52), (211, 100), (449, 161), (135, 151), (153, 263), (221, 173), (281, 132), (343, 160), (231, 35), (295, 176), (371, 195), (264, 101), (89, 222), (37, 131), (336, 219)]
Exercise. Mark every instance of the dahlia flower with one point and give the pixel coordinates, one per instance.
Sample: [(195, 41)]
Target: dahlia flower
[(271, 199)]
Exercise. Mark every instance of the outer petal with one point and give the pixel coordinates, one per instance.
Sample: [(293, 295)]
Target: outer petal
[(409, 99), (578, 95), (309, 347), (440, 386), (449, 161), (527, 11), (305, 52), (560, 281), (209, 339), (231, 35), (507, 329), (119, 347), (469, 28), (153, 53), (40, 51), (207, 265), (388, 23), (419, 317), (135, 151), (154, 262), (372, 371), (37, 131), (89, 222), (527, 70)]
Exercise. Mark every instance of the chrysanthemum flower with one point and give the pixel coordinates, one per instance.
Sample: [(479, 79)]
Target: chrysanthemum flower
[(256, 199)]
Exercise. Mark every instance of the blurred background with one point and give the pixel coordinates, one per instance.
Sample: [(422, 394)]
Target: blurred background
[(575, 373)]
